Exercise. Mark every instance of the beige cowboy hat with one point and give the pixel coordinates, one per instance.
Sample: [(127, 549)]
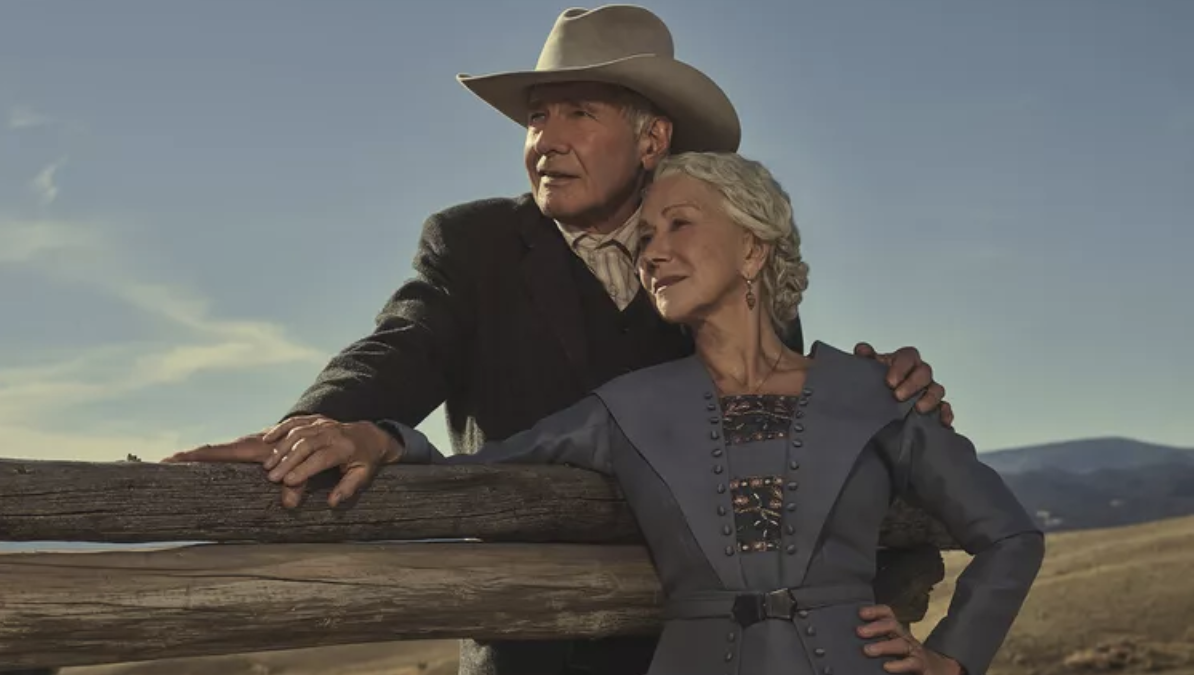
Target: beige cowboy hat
[(628, 46)]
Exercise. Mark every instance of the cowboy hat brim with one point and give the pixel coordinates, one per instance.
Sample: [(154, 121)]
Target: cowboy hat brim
[(704, 119)]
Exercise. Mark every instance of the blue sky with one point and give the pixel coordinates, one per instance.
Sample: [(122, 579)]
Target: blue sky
[(201, 202)]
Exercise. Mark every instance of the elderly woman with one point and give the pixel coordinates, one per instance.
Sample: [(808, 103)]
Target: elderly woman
[(759, 476)]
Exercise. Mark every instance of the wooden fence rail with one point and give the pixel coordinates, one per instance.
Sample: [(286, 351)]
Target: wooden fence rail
[(558, 555), (71, 609)]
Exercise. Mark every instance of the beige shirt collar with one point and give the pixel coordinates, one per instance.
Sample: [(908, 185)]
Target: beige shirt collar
[(624, 236)]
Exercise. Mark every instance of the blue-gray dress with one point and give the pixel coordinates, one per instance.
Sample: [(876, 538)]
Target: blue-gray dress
[(762, 514)]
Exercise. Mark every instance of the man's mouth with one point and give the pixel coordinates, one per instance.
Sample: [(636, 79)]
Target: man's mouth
[(554, 176)]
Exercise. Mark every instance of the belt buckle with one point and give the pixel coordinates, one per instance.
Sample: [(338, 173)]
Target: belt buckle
[(779, 604), (748, 609)]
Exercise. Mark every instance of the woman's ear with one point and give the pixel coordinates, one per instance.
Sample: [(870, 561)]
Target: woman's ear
[(756, 255)]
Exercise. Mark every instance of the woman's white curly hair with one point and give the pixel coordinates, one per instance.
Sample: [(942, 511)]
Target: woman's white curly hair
[(756, 201)]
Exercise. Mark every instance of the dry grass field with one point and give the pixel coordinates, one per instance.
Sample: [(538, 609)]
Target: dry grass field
[(1115, 600), (1107, 601)]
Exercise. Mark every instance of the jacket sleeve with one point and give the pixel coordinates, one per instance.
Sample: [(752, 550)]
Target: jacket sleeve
[(416, 355), (581, 435), (947, 479)]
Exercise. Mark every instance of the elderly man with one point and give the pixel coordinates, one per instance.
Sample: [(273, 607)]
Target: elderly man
[(521, 306)]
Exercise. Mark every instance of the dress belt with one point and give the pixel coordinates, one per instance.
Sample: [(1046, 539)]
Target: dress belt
[(749, 607)]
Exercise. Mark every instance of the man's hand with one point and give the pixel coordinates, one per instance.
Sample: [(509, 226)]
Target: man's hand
[(301, 447), (250, 448), (908, 374), (305, 446), (896, 641)]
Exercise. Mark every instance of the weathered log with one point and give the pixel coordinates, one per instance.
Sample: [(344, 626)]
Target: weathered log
[(127, 502), (61, 609), (54, 610)]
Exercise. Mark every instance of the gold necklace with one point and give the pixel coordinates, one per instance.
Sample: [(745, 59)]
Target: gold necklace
[(769, 373), (767, 376)]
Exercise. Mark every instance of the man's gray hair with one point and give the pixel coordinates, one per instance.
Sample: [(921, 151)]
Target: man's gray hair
[(756, 201), (638, 109)]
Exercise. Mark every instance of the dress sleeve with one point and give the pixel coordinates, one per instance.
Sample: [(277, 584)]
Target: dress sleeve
[(581, 435), (947, 479)]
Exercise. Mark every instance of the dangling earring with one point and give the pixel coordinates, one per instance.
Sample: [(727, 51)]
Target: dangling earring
[(750, 301)]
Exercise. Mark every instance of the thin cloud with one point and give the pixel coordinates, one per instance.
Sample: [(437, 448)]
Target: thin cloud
[(22, 241), (24, 117), (33, 398), (44, 185)]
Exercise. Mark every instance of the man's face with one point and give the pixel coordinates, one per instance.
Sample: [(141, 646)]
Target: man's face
[(581, 154)]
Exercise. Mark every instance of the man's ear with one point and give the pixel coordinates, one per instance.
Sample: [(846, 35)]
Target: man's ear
[(655, 143)]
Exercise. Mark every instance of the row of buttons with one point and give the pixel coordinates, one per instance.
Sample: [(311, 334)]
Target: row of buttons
[(719, 468)]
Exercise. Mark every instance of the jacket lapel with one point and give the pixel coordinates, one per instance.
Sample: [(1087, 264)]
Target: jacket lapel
[(548, 280), (845, 404), (671, 416)]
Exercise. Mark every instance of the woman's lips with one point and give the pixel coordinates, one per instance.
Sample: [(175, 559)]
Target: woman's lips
[(666, 282)]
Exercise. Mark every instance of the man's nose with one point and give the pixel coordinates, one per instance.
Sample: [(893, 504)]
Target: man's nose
[(551, 138)]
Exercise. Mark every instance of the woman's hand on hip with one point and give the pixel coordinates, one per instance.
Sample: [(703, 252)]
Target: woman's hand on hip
[(894, 640)]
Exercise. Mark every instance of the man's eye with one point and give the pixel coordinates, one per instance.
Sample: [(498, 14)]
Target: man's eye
[(536, 117)]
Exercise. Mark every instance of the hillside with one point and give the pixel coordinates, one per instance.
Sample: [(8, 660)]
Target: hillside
[(1103, 596), (1085, 455), (1098, 482), (1063, 500)]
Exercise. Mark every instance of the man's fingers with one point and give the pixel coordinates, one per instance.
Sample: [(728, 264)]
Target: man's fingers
[(864, 350), (328, 456), (908, 374), (291, 495), (295, 451), (931, 398), (947, 415), (355, 479), (278, 431), (245, 449), (289, 440)]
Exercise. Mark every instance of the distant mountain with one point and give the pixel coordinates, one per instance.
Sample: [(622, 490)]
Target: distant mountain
[(1063, 500), (1098, 482), (1086, 455)]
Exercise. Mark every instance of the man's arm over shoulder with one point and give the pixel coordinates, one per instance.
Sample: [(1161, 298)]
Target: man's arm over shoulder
[(419, 352)]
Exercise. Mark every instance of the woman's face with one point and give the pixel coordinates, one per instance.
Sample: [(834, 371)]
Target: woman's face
[(692, 257)]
